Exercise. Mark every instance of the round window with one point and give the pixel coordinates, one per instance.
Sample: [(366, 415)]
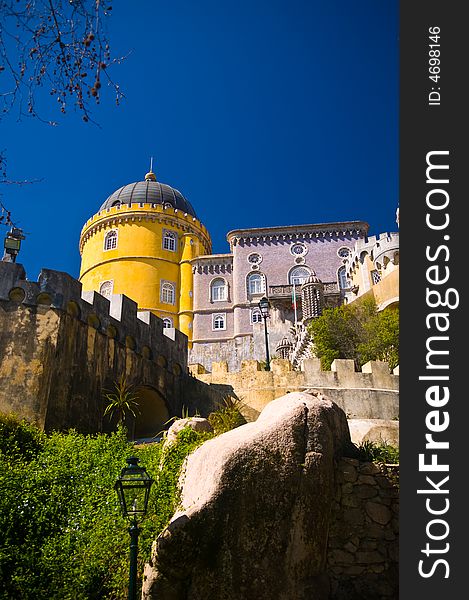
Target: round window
[(298, 249), (254, 259), (343, 252)]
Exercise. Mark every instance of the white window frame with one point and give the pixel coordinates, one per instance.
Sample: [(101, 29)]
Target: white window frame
[(167, 287), (221, 294), (341, 254), (256, 316), (110, 283), (301, 245), (254, 262), (167, 322), (342, 278), (291, 275), (110, 240), (219, 318), (257, 275), (170, 240)]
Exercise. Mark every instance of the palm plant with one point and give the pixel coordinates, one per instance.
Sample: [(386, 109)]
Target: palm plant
[(122, 401)]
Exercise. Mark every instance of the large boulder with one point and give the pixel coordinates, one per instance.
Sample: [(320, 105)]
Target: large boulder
[(255, 507), (378, 431), (196, 423)]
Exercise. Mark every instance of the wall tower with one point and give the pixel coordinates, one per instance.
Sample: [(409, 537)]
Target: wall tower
[(140, 243)]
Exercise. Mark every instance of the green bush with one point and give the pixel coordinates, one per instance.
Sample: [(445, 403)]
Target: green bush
[(356, 331), (378, 452), (19, 438), (228, 416), (62, 536)]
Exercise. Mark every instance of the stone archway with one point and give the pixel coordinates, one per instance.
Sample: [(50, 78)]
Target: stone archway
[(153, 413)]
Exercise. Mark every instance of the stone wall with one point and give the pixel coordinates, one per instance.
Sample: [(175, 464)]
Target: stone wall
[(363, 549), (372, 393), (59, 352)]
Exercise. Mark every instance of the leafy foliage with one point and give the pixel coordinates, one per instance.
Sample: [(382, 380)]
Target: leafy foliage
[(122, 401), (228, 416), (382, 452), (357, 331), (62, 535), (19, 438)]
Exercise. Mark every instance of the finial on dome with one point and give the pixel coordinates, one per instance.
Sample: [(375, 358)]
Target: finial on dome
[(150, 176)]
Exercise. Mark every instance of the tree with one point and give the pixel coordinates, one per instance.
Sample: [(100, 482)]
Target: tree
[(56, 46), (60, 45), (357, 331)]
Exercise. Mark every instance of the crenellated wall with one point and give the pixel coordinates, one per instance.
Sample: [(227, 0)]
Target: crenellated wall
[(61, 349), (372, 393)]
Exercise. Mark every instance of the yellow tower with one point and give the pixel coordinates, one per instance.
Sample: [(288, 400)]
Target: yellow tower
[(140, 244)]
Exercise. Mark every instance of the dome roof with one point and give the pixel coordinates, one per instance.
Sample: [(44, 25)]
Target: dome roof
[(149, 191), (313, 278)]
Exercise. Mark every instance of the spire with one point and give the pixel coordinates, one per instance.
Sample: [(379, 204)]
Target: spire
[(150, 176)]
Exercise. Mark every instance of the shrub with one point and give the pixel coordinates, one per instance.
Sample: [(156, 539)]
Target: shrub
[(356, 331), (62, 535), (378, 452), (19, 438), (228, 416)]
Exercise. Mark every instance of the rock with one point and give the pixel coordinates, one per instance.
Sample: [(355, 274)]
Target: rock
[(255, 509), (374, 430), (196, 423), (378, 512)]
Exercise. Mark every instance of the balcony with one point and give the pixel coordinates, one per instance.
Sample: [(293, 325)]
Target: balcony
[(286, 291)]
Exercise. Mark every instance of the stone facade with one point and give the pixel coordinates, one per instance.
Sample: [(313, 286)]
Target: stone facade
[(278, 257), (363, 549), (59, 352), (373, 270), (372, 393)]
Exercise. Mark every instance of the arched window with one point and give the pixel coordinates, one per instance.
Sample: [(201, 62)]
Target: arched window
[(218, 290), (256, 283), (219, 321), (105, 289), (167, 323), (167, 292), (256, 316), (110, 240), (299, 275), (169, 240), (344, 283)]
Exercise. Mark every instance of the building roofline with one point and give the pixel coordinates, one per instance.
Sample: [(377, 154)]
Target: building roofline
[(339, 226), (209, 257)]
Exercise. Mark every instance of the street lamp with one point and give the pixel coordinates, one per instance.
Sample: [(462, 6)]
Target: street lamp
[(264, 306), (133, 489), (12, 244)]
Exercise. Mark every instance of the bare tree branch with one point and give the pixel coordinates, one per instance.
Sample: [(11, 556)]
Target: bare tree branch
[(59, 45)]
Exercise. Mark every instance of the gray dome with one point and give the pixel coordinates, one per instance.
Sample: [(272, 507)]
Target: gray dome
[(149, 191)]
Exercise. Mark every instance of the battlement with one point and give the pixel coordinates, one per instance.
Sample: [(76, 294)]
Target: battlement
[(341, 374), (370, 393), (118, 318), (142, 211), (376, 247)]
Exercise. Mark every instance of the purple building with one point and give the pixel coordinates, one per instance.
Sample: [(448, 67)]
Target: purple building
[(274, 262)]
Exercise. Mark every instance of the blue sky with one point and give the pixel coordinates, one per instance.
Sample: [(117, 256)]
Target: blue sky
[(261, 112)]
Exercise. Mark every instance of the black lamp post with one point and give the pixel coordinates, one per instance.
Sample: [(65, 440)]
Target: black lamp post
[(264, 306), (133, 488), (12, 244)]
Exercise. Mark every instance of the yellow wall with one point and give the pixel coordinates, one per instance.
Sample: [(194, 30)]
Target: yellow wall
[(140, 263)]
